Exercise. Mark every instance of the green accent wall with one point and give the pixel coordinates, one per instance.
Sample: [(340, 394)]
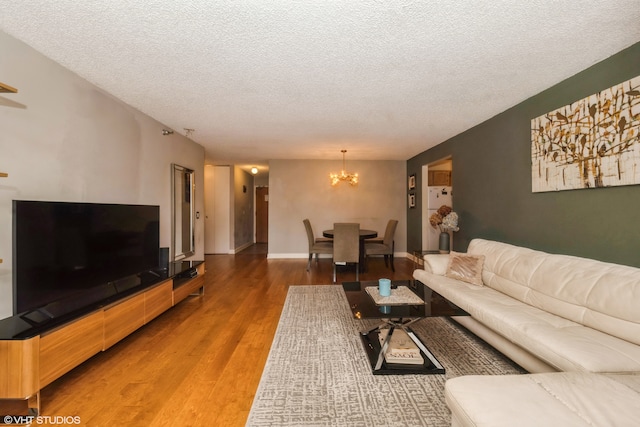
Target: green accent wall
[(491, 181)]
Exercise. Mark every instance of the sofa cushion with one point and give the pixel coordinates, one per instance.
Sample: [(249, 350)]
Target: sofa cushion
[(561, 343), (564, 399), (436, 263), (596, 294), (465, 267)]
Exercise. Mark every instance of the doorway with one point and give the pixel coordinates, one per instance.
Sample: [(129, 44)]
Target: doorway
[(436, 174), (262, 214)]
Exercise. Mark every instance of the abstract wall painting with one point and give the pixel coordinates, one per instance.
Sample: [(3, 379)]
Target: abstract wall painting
[(591, 143)]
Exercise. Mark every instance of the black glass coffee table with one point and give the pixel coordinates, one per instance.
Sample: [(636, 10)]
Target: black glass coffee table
[(402, 310)]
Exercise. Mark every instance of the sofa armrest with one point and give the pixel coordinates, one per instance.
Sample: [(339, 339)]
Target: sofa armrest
[(436, 263)]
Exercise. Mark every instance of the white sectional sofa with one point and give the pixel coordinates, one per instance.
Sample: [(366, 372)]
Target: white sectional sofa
[(563, 399), (547, 313)]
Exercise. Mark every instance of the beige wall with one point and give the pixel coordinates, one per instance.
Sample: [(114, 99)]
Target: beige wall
[(300, 189), (63, 139)]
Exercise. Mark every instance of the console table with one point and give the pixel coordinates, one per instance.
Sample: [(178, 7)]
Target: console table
[(31, 357)]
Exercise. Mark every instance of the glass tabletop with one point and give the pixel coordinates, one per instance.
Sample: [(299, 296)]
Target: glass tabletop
[(363, 306)]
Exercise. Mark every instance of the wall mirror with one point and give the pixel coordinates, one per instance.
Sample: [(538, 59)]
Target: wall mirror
[(182, 212)]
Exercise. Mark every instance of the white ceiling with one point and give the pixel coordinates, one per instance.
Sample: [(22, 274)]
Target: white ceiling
[(302, 79)]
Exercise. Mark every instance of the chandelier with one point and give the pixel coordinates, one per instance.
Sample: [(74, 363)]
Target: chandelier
[(351, 178)]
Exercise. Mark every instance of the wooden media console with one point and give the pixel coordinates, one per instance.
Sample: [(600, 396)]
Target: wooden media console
[(31, 359)]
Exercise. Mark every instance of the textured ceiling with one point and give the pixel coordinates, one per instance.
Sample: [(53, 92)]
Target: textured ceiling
[(302, 79)]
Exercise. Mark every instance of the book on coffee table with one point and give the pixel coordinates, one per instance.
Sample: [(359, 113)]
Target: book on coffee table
[(401, 348)]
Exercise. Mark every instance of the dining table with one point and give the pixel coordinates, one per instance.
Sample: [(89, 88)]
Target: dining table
[(364, 234)]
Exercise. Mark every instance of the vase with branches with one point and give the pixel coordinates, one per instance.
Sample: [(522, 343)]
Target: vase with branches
[(446, 220)]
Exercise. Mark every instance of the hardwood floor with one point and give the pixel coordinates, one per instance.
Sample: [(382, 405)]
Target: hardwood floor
[(199, 363)]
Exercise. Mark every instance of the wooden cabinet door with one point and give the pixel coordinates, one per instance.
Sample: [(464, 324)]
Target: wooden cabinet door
[(19, 373), (158, 300), (188, 288), (69, 346), (438, 178), (122, 319)]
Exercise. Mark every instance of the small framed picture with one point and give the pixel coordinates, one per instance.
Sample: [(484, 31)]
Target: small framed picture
[(412, 181), (412, 200)]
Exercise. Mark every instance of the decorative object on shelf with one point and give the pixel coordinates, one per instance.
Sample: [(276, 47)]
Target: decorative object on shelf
[(412, 181), (351, 178), (590, 143), (412, 200), (446, 220), (5, 88)]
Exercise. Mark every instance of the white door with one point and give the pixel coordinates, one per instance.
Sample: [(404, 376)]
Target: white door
[(217, 210)]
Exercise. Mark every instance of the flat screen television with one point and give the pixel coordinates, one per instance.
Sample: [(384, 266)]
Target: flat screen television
[(70, 255)]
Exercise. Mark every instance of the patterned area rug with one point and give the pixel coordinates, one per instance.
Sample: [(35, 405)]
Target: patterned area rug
[(317, 373)]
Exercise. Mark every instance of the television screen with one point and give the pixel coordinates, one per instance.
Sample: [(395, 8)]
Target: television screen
[(79, 252)]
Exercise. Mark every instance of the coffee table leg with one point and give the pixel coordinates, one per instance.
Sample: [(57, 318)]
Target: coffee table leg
[(403, 324), (423, 348), (383, 348)]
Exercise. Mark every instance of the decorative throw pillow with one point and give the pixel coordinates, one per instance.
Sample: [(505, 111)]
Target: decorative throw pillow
[(465, 267)]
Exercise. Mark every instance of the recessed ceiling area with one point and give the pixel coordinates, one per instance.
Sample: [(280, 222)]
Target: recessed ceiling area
[(288, 79)]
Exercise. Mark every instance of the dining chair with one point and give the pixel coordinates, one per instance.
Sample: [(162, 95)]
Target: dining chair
[(385, 247), (316, 246), (346, 246)]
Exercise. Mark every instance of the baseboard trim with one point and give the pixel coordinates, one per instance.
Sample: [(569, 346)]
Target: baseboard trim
[(241, 248)]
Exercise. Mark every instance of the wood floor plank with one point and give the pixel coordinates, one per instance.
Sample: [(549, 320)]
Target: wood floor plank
[(200, 362)]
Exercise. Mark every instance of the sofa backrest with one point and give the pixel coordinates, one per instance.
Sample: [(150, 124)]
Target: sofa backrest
[(596, 294)]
